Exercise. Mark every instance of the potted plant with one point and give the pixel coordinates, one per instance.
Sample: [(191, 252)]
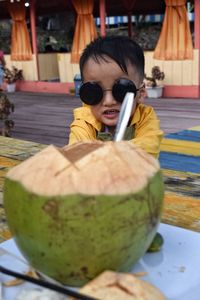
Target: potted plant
[(11, 76), (6, 108), (153, 89)]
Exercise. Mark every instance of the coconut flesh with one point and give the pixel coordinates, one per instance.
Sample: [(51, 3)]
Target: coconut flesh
[(82, 209)]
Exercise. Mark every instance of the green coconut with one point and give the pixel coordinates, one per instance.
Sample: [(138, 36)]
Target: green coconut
[(82, 209)]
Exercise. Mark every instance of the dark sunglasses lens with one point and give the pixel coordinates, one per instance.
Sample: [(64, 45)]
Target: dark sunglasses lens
[(121, 87), (91, 93)]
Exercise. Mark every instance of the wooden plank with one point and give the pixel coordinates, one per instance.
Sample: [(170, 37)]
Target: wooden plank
[(182, 199), (181, 147), (187, 74), (182, 183), (28, 67), (180, 162), (181, 211), (48, 66), (177, 70), (195, 68), (197, 128), (67, 70), (16, 149), (168, 70), (185, 135)]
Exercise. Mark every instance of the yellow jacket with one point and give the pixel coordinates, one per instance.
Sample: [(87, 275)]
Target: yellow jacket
[(147, 128)]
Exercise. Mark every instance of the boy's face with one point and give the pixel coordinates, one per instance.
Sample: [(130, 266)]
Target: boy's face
[(105, 74)]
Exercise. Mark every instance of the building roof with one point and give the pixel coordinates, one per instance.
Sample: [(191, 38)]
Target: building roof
[(113, 7)]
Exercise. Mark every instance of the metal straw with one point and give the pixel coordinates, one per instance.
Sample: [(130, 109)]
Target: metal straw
[(124, 116), (46, 284)]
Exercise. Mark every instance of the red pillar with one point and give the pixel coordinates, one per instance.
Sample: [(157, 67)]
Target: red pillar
[(34, 34), (197, 32), (102, 9), (130, 24), (197, 24)]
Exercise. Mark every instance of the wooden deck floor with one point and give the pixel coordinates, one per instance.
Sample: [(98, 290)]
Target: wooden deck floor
[(45, 118)]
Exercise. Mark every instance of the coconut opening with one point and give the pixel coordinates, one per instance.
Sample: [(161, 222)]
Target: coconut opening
[(89, 168), (75, 152)]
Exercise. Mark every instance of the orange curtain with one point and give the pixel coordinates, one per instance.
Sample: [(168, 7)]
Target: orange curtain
[(85, 30), (175, 41), (20, 41)]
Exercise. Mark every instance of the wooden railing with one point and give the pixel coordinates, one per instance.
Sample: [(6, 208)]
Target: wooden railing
[(57, 65)]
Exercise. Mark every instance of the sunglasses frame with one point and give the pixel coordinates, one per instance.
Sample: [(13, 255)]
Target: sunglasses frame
[(98, 91)]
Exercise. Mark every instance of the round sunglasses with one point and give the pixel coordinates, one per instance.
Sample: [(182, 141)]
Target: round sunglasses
[(91, 93)]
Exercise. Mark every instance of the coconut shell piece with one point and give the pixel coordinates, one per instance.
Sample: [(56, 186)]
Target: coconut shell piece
[(120, 286)]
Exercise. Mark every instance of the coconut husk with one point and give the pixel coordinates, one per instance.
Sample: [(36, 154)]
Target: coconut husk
[(120, 286)]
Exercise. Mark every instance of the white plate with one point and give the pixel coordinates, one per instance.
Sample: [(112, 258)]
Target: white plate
[(175, 270)]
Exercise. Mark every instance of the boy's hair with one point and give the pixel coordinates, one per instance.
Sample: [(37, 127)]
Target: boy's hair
[(121, 49)]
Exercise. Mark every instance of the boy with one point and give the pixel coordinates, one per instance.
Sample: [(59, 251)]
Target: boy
[(110, 67)]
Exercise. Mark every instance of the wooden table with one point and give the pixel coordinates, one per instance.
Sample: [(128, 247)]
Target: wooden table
[(182, 192), (180, 162)]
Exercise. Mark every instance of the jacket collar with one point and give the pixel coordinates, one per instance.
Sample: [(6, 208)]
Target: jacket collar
[(84, 113)]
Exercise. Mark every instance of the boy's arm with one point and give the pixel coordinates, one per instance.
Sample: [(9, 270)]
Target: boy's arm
[(81, 131), (148, 134)]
